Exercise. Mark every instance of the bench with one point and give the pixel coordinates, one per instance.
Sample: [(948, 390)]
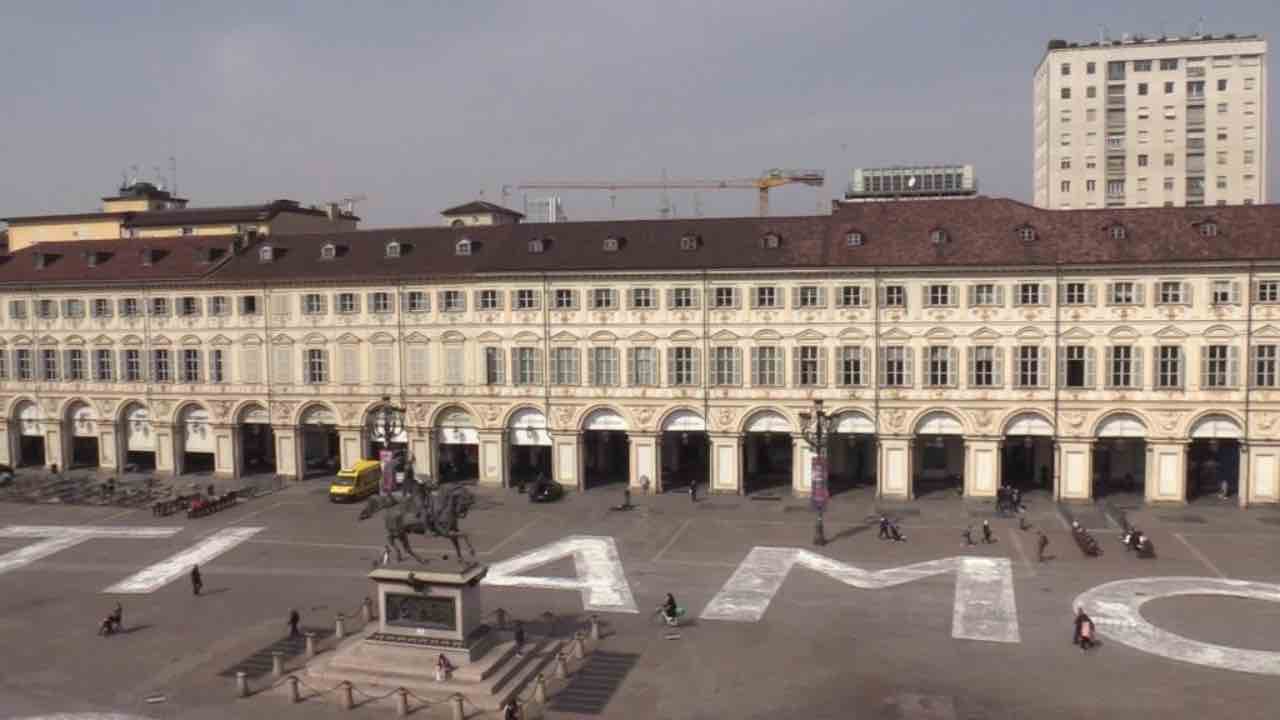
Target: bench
[(222, 502), (164, 508), (1088, 545)]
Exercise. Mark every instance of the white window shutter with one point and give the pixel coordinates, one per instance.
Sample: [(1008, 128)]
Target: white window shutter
[(1204, 367), (670, 299), (953, 366), (1187, 298), (350, 364), (280, 364), (1140, 293), (697, 365), (1139, 381), (1111, 293), (997, 367), (972, 295), (1090, 367), (882, 375), (882, 297), (1046, 294), (795, 297), (671, 366), (1062, 365), (969, 357), (1090, 294), (515, 365), (279, 304), (1182, 367), (824, 355), (795, 367), (1042, 366), (822, 297), (1233, 366), (909, 356), (1235, 292)]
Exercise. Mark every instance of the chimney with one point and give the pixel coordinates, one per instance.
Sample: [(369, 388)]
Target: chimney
[(91, 258), (145, 254), (333, 211), (40, 260)]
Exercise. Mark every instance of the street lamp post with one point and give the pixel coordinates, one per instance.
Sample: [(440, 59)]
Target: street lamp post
[(387, 422), (816, 430)]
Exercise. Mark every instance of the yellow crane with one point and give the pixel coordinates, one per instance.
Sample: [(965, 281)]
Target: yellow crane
[(762, 185)]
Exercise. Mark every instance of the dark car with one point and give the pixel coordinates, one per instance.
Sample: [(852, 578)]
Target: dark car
[(545, 491)]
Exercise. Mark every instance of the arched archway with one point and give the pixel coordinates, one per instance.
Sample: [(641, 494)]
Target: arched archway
[(27, 434), (528, 447), (1026, 460), (938, 459), (767, 452), (318, 425), (257, 440), (605, 448), (684, 451), (457, 445), (196, 442), (82, 435), (1213, 457), (851, 451), (1120, 457), (139, 439)]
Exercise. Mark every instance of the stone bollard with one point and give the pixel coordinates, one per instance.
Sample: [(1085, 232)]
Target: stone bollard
[(402, 703), (340, 627), (579, 646), (459, 713), (562, 666), (501, 616), (595, 628), (366, 610), (311, 645), (277, 664), (295, 691), (540, 690), (242, 684), (344, 693)]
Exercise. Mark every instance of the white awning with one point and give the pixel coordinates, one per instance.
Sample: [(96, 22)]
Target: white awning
[(137, 424), (768, 421), (939, 423), (255, 415), (1028, 424), (529, 427), (605, 419), (318, 415), (1216, 427), (197, 436), (1126, 426), (84, 421), (853, 423), (684, 421), (29, 416)]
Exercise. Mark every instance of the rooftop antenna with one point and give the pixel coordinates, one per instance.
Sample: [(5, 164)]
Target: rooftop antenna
[(173, 172), (697, 204), (1200, 26), (1102, 33), (665, 208)]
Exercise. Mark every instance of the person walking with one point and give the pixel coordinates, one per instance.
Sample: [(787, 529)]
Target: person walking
[(968, 535), (884, 528), (386, 555), (294, 619), (511, 712), (519, 637), (1041, 544), (197, 583), (986, 533), (693, 492)]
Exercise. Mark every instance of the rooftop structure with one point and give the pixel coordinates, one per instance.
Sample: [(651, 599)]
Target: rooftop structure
[(904, 181)]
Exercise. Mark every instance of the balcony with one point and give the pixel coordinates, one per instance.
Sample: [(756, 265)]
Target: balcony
[(1195, 72)]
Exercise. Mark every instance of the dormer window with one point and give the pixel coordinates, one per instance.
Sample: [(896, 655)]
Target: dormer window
[(266, 254), (853, 239), (463, 247), (1118, 232), (328, 251), (1208, 229), (938, 236), (91, 258), (771, 241), (689, 242), (147, 257), (535, 245), (611, 243), (39, 259), (1027, 234), (393, 249)]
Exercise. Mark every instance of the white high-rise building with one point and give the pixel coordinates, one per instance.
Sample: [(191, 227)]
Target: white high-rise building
[(1141, 122), (545, 210)]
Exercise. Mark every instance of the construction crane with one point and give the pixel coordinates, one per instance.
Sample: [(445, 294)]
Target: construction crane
[(762, 185)]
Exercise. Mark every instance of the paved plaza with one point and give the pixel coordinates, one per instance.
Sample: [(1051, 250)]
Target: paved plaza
[(821, 649)]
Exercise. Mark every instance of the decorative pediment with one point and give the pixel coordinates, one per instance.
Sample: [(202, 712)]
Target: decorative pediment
[(725, 336), (1267, 331), (811, 336), (416, 337), (852, 332), (220, 340), (315, 339), (349, 339), (939, 333), (767, 335), (189, 341), (603, 336), (683, 336), (564, 336), (22, 340), (1122, 331), (1170, 332), (73, 340), (382, 338), (281, 339), (895, 333), (250, 340), (48, 340), (1030, 333), (1076, 333), (160, 340), (524, 338), (643, 337), (985, 333), (1219, 331), (489, 336)]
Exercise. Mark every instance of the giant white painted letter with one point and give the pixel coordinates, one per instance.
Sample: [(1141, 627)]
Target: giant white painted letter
[(600, 578), (154, 577), (56, 538), (1116, 611), (984, 606)]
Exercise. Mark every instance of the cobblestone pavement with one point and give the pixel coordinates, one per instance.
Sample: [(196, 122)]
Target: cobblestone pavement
[(821, 650)]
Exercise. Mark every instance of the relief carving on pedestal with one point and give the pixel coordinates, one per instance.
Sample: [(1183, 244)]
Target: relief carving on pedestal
[(421, 412), (1074, 420), (284, 411), (490, 413), (564, 416), (50, 406), (106, 406), (1168, 420), (347, 411), (219, 408), (983, 418), (160, 409), (893, 419), (1267, 422), (725, 418), (643, 415)]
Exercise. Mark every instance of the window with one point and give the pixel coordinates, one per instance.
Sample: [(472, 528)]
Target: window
[(1033, 366), (1142, 160), (1218, 366), (604, 299), (17, 309), (1091, 115), (159, 307), (101, 308), (983, 371), (75, 364), (1142, 88), (938, 236), (939, 368), (462, 247), (1065, 163), (1026, 233), (1169, 64), (602, 367), (73, 308), (1090, 68), (161, 370), (494, 367), (1076, 293), (1223, 108), (852, 368), (689, 242), (219, 306), (1170, 292), (682, 366), (1267, 291), (1066, 93), (765, 297), (313, 304), (683, 298), (1168, 184), (810, 366), (1065, 186), (851, 296), (317, 368), (726, 297), (328, 251), (1076, 370), (347, 303), (1118, 232), (1091, 186), (1248, 157), (188, 306), (894, 296), (810, 296), (564, 366), (938, 295), (103, 370), (217, 366), (248, 305), (1169, 88), (1264, 365), (22, 362), (1124, 366), (1115, 187), (49, 364), (455, 364), (642, 366), (611, 243), (1125, 293), (380, 303), (1142, 66), (985, 294), (535, 246), (895, 366), (1168, 366), (1221, 183), (1030, 293), (453, 301), (1066, 69), (1091, 92), (1195, 88), (526, 366), (488, 300), (1115, 70), (266, 254), (1249, 83), (853, 239), (766, 366), (132, 366), (1250, 107), (417, 301), (190, 365), (726, 366), (566, 299), (1225, 292), (1065, 139)]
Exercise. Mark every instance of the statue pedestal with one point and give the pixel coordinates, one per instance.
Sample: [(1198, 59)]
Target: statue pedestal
[(422, 614)]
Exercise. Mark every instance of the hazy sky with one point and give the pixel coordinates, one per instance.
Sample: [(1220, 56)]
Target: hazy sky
[(420, 105)]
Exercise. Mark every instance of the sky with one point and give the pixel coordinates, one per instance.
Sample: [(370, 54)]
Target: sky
[(423, 105)]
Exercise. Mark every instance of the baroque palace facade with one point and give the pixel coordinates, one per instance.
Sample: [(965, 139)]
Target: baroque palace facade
[(956, 344)]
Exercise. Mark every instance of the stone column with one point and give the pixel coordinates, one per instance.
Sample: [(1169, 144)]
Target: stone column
[(288, 451), (982, 469), (54, 449), (643, 459), (1075, 470), (109, 456), (566, 467), (226, 450), (169, 448), (1264, 474), (801, 467), (895, 461), (6, 444), (493, 459), (726, 449), (421, 440), (1166, 472), (350, 446)]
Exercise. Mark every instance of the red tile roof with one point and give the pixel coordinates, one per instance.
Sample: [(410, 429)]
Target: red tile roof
[(119, 262)]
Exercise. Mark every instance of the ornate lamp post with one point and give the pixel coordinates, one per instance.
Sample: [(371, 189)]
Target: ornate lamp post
[(816, 429), (386, 422)]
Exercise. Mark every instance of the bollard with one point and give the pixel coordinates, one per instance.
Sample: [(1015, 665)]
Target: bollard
[(367, 609), (242, 684), (340, 627), (345, 694), (402, 703), (295, 693), (562, 666), (311, 645), (595, 628), (277, 664), (459, 713), (540, 690), (502, 618), (579, 646)]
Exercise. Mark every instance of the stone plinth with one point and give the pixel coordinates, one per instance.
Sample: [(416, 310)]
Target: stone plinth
[(436, 610)]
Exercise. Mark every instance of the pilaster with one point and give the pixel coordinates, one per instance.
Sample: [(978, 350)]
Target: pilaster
[(493, 459), (289, 461), (894, 479), (167, 452), (54, 450), (801, 467), (1262, 485), (109, 455), (726, 453), (643, 459), (1166, 474), (349, 446), (6, 447), (566, 467), (1075, 471), (982, 467), (226, 453)]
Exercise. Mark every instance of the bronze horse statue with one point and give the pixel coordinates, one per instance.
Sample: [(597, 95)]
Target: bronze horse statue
[(434, 511)]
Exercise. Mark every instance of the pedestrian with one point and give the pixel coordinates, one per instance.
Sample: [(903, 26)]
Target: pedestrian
[(1041, 544), (1022, 522), (693, 492), (884, 528), (986, 533), (968, 535), (294, 619), (511, 711), (1082, 633), (197, 583), (444, 668), (626, 498), (819, 533), (386, 555), (896, 533), (519, 637)]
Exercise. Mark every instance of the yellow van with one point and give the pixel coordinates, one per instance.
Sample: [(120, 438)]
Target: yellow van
[(357, 482)]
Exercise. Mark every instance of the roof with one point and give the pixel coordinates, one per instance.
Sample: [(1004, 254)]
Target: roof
[(217, 215), (117, 261), (476, 207)]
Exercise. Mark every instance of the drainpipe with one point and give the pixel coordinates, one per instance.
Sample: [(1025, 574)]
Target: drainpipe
[(1243, 489), (706, 363), (875, 373), (1053, 378)]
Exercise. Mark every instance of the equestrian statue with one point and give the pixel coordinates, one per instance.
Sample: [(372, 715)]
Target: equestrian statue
[(436, 511)]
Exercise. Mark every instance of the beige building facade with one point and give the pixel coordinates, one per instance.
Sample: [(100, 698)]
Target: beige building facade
[(1150, 122), (564, 350)]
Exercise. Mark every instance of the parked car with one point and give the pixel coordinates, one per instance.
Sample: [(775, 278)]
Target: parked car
[(6, 475), (545, 491)]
